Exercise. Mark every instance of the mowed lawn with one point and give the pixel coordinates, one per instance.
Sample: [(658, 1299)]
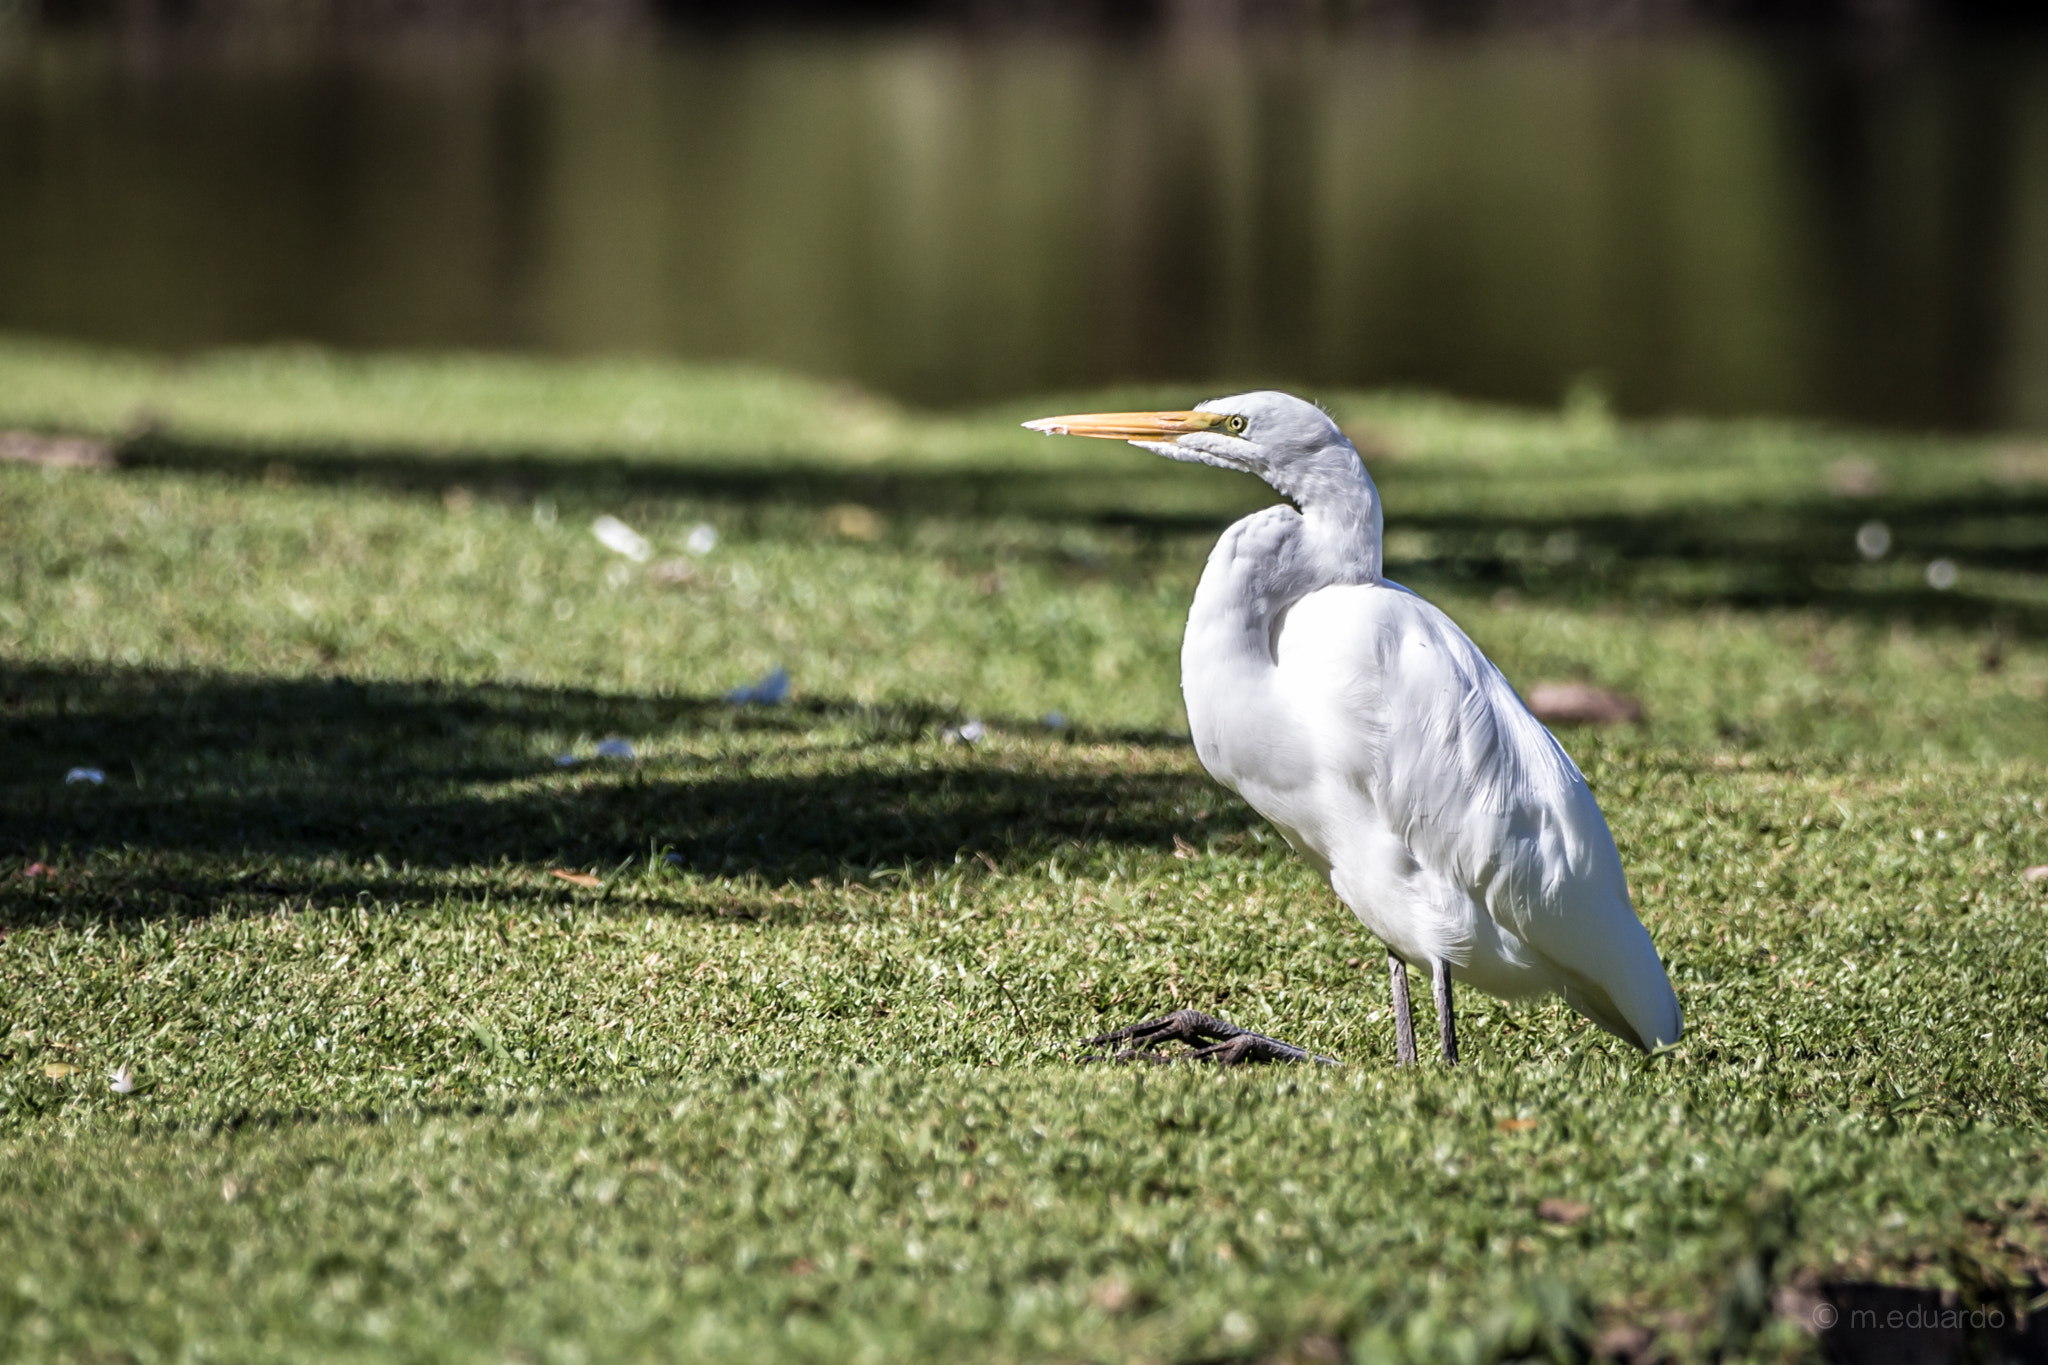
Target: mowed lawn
[(799, 1077)]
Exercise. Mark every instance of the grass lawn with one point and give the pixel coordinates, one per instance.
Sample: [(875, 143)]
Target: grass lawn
[(797, 1078)]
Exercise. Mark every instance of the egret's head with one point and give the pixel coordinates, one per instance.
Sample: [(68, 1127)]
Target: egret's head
[(1291, 444)]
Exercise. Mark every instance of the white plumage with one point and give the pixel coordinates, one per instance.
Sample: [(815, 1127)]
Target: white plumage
[(1384, 745)]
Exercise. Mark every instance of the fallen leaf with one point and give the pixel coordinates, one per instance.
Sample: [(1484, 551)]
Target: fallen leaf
[(672, 573), (574, 878), (854, 521), (1855, 477), (1319, 1350), (57, 1071), (1624, 1341), (1517, 1125), (2020, 464), (1182, 848), (1562, 1211), (1577, 703), (2036, 873)]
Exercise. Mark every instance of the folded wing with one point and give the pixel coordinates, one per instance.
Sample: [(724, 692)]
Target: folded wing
[(1435, 741)]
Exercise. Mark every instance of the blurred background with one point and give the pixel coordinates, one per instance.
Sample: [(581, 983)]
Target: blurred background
[(1828, 210)]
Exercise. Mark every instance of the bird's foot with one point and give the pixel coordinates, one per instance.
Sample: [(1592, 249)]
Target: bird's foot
[(1209, 1039)]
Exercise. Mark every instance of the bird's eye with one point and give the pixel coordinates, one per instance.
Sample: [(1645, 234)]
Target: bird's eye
[(1236, 424)]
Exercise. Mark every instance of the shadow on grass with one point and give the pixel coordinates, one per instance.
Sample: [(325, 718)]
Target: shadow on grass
[(1799, 556), (264, 789), (516, 475), (1782, 555)]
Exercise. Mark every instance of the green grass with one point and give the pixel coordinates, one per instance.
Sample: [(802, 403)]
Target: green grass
[(800, 1079)]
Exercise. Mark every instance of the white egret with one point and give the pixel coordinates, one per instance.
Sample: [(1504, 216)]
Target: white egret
[(1385, 747)]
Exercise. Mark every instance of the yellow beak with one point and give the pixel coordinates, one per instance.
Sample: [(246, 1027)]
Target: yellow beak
[(1130, 426)]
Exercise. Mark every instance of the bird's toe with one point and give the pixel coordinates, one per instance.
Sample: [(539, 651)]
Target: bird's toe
[(1181, 1026), (1209, 1039)]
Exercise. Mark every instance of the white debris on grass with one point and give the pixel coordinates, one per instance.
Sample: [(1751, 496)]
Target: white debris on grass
[(1941, 575), (1873, 540), (94, 776), (967, 732), (614, 748), (702, 540), (615, 535), (770, 690), (122, 1082)]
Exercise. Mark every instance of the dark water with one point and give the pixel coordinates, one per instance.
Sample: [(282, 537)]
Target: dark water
[(1710, 224)]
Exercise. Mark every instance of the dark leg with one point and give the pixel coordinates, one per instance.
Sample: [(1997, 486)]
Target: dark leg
[(1446, 1022), (1404, 1022), (1210, 1040)]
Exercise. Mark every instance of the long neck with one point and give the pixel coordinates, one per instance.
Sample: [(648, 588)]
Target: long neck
[(1270, 560), (1340, 513), (1259, 569)]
